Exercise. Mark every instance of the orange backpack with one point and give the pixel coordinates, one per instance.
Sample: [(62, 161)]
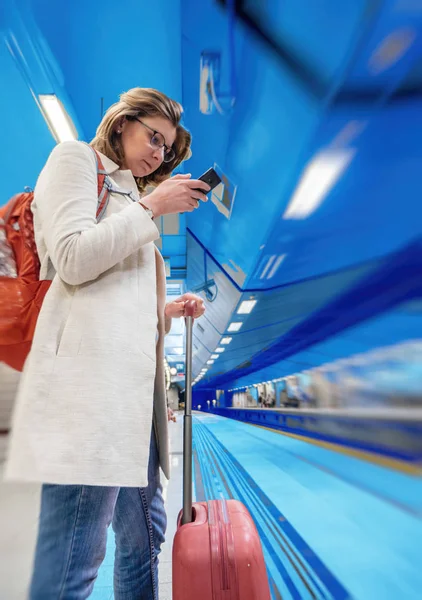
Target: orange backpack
[(21, 290)]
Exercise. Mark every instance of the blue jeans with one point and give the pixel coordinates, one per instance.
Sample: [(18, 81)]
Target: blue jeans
[(72, 538)]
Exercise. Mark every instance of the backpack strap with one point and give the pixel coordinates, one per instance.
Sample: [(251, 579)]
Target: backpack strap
[(103, 190), (103, 198)]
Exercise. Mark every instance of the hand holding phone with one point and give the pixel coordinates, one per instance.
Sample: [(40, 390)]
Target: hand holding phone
[(211, 178), (178, 194)]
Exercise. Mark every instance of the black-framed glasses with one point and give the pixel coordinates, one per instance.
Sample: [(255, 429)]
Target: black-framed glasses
[(157, 142)]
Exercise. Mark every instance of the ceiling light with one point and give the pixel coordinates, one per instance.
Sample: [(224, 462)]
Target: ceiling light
[(210, 362), (234, 326), (226, 340), (58, 120), (276, 265), (220, 350), (246, 307), (267, 266), (319, 177), (215, 356)]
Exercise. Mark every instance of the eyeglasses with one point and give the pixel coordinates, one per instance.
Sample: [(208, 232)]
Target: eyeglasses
[(157, 142)]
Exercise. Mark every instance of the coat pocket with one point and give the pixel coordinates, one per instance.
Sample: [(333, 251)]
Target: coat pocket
[(128, 336), (69, 339)]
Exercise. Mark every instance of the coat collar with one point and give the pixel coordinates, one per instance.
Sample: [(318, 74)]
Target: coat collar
[(108, 164)]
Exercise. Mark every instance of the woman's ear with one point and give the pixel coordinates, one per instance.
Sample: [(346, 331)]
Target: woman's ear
[(120, 124)]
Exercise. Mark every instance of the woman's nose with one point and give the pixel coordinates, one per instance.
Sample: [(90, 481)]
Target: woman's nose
[(158, 155)]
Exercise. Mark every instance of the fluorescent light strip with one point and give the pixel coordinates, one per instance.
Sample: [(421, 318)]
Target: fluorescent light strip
[(226, 340), (220, 349), (319, 177), (276, 265), (215, 356), (246, 307), (268, 265), (234, 326), (57, 118)]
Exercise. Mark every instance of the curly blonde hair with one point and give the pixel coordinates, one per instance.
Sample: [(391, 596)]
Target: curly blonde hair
[(143, 102)]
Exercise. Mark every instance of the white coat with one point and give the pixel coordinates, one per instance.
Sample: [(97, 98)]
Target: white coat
[(94, 379)]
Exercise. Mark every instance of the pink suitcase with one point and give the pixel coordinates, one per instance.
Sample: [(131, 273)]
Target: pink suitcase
[(217, 553)]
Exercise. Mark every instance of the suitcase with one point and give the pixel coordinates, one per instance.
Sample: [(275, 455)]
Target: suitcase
[(217, 553)]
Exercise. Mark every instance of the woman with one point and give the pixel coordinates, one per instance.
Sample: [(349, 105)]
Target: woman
[(91, 416)]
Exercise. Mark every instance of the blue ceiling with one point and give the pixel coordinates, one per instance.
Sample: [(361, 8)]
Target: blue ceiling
[(310, 81), (345, 77)]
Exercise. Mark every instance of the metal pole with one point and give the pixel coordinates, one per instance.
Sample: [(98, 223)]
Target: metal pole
[(187, 423)]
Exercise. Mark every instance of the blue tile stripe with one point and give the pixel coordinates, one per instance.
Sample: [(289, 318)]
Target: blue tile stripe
[(304, 575)]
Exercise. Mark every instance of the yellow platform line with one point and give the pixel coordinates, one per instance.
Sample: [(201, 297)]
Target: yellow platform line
[(382, 461)]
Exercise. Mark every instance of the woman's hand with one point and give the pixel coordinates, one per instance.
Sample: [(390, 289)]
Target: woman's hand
[(176, 308), (170, 415), (176, 195)]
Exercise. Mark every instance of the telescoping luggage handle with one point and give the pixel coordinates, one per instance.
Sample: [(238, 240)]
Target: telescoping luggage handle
[(190, 308)]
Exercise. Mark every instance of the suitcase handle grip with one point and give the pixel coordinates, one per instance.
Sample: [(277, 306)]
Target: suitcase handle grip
[(190, 308)]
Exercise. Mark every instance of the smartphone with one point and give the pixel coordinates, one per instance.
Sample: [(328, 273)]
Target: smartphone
[(210, 177)]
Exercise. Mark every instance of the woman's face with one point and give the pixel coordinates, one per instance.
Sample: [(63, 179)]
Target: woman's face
[(145, 142)]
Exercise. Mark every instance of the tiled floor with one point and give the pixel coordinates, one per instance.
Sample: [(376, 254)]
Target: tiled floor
[(19, 507)]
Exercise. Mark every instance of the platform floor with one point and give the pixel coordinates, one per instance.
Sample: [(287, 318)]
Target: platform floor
[(332, 526)]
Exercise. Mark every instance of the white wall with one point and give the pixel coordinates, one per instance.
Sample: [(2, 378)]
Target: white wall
[(173, 398)]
